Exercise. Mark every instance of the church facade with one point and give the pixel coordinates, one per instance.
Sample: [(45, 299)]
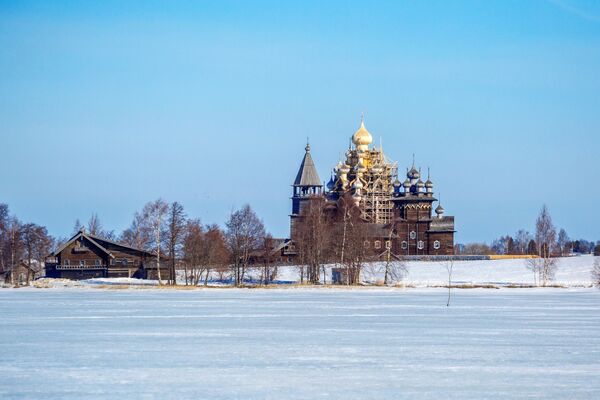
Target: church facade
[(399, 215)]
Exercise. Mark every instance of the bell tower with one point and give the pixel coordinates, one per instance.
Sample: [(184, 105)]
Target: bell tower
[(306, 185)]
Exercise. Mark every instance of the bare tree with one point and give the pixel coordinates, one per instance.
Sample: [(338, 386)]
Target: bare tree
[(94, 225), (194, 252), (176, 221), (563, 242), (522, 239), (545, 235), (477, 249), (204, 250), (535, 266), (449, 268), (314, 237), (268, 260), (218, 254), (76, 227), (596, 272), (395, 271), (36, 244), (351, 250), (245, 233), (154, 215), (4, 215), (14, 242), (136, 235)]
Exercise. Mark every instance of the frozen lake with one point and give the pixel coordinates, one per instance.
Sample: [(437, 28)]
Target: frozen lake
[(299, 344)]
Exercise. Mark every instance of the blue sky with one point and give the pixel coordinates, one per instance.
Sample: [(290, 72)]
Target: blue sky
[(107, 105)]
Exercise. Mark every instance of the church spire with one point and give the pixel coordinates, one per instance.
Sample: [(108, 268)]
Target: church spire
[(307, 174)]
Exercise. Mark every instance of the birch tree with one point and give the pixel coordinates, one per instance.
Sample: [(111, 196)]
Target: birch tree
[(351, 250), (154, 215), (314, 239), (449, 270), (176, 220), (3, 236), (545, 237)]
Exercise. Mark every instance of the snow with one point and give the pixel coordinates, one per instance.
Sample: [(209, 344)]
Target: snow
[(572, 271), (300, 343)]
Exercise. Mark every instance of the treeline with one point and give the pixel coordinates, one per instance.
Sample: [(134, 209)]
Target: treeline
[(181, 242), (244, 251), (195, 252), (545, 240), (21, 242), (185, 244)]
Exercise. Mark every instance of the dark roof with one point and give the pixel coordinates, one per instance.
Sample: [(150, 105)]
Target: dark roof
[(98, 242), (444, 224), (307, 174)]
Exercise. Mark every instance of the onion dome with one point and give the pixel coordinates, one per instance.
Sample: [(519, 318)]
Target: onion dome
[(362, 138), (406, 184), (413, 173), (429, 184), (439, 210), (357, 184), (397, 183), (420, 184), (331, 183)]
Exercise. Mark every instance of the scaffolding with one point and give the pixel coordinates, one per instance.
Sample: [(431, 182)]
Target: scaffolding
[(369, 176)]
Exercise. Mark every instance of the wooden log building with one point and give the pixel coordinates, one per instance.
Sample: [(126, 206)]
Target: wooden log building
[(398, 215), (86, 256)]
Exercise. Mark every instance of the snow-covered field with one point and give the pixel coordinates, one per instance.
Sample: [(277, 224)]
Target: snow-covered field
[(572, 272), (299, 343)]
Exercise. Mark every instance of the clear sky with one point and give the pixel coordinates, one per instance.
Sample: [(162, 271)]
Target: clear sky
[(107, 105)]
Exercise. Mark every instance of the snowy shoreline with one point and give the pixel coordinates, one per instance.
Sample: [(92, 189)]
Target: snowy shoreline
[(573, 272)]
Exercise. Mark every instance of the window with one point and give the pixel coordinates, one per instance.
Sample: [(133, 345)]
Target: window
[(436, 244), (366, 244), (97, 263), (66, 262), (377, 244), (413, 234), (405, 245), (388, 244), (82, 263), (421, 244), (112, 261)]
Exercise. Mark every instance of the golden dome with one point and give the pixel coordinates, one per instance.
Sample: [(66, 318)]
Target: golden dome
[(362, 138)]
